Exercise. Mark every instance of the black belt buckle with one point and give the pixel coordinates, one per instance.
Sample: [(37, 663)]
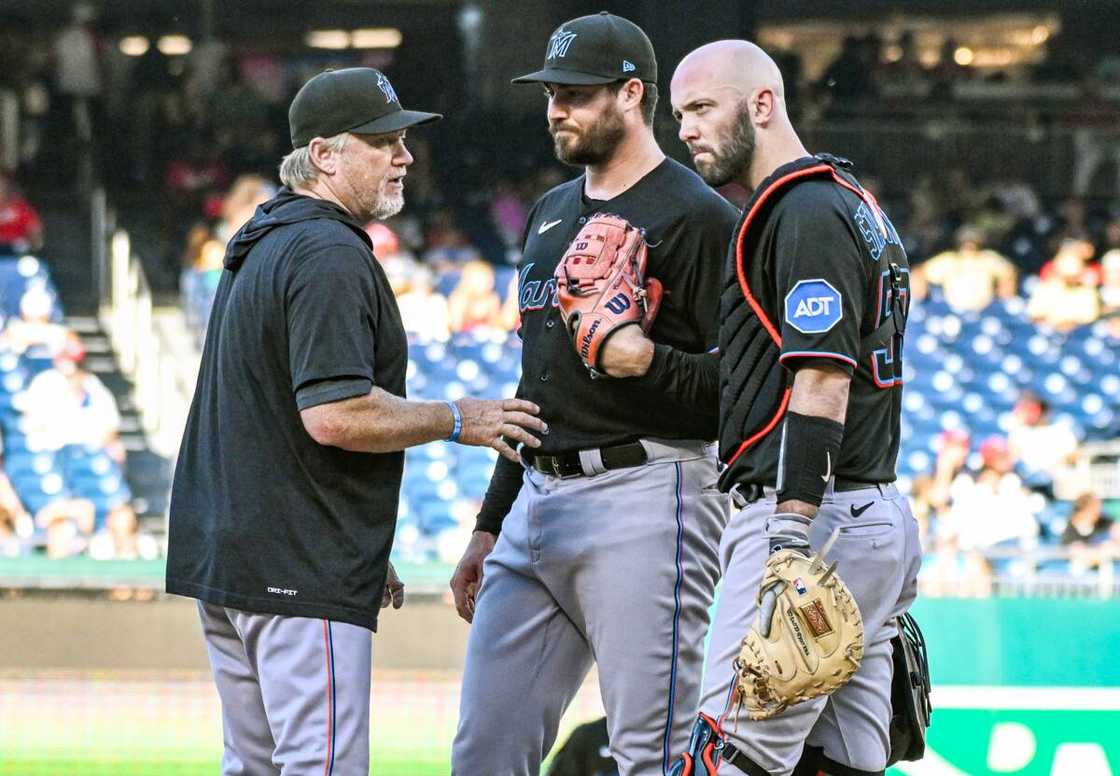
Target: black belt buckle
[(567, 466), (552, 466)]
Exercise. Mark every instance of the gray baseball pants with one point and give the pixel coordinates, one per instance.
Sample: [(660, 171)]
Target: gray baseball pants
[(879, 556), (617, 568), (294, 692)]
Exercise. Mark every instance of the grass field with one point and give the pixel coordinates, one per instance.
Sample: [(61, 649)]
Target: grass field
[(66, 724)]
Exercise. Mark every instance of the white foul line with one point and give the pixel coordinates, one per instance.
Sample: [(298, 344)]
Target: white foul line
[(1026, 698)]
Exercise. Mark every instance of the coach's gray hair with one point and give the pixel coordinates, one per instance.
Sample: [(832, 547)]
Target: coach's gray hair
[(297, 169)]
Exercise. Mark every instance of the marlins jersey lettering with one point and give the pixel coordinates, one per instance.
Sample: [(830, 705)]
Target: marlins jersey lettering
[(686, 239), (687, 226)]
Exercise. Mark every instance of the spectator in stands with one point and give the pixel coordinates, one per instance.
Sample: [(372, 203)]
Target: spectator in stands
[(1043, 447), (1110, 236), (78, 75), (398, 262), (239, 118), (849, 78), (948, 571), (21, 230), (194, 172), (947, 72), (120, 537), (1073, 220), (926, 226), (949, 469), (921, 506), (474, 303), (33, 334), (1096, 141), (203, 256), (1067, 298), (995, 509), (1090, 536), (448, 246), (68, 523), (15, 524), (240, 202), (511, 309), (509, 212), (970, 276), (904, 73), (1110, 282), (67, 405), (423, 311)]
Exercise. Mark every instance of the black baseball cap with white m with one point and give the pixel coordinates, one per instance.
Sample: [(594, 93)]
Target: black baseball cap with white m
[(596, 49), (355, 99)]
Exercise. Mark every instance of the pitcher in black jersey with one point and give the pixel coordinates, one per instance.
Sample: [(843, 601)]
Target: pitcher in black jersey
[(813, 310), (602, 545)]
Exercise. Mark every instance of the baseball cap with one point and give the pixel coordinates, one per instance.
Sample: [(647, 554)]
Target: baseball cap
[(596, 49), (355, 99)]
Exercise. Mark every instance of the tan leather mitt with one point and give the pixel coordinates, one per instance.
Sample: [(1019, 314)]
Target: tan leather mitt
[(810, 644), (602, 285)]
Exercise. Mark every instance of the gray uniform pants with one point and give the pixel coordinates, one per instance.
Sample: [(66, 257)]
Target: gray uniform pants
[(620, 569), (879, 556), (294, 692)]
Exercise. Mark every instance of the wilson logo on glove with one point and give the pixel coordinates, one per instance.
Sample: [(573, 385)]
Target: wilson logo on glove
[(618, 305), (601, 285), (588, 338)]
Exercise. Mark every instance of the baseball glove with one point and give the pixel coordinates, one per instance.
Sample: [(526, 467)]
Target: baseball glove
[(601, 285), (809, 637)]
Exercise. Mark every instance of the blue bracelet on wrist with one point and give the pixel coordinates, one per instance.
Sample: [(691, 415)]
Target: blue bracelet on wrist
[(458, 418)]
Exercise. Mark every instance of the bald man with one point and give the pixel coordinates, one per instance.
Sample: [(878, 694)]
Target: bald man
[(813, 308)]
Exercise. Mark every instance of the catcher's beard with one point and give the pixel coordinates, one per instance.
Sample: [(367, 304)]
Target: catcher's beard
[(733, 153), (593, 145)]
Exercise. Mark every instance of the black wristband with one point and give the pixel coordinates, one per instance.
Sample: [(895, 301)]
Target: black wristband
[(808, 456)]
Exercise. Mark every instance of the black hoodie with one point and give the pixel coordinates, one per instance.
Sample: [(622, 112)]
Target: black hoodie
[(263, 518)]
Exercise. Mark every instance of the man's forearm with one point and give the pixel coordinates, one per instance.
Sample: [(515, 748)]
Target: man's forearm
[(819, 393), (380, 422)]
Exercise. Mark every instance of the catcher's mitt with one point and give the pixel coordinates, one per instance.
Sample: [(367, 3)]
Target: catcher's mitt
[(808, 640), (601, 285)]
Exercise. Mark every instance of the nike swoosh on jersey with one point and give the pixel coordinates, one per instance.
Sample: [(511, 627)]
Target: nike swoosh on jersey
[(548, 225), (861, 510)]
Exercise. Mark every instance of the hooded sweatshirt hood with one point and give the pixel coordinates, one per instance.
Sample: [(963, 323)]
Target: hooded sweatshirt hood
[(287, 207)]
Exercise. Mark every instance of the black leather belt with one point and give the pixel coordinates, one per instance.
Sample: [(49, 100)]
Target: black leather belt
[(568, 465)]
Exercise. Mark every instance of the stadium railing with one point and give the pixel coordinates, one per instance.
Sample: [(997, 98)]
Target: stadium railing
[(125, 310)]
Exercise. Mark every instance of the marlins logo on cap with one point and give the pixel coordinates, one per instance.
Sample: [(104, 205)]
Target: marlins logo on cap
[(386, 88), (559, 42), (611, 49)]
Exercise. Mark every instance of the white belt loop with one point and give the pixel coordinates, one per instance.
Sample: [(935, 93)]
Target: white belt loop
[(592, 462), (675, 449)]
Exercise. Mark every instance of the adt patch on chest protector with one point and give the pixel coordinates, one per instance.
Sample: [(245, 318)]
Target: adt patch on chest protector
[(813, 306)]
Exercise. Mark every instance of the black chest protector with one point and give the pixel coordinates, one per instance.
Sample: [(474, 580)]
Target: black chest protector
[(754, 387)]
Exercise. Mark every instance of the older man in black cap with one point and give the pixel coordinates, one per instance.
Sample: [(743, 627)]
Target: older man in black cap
[(285, 496), (603, 547)]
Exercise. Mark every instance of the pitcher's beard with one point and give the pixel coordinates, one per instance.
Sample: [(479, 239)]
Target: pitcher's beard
[(594, 145)]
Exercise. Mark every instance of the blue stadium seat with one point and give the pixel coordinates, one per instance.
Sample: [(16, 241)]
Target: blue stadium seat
[(17, 275)]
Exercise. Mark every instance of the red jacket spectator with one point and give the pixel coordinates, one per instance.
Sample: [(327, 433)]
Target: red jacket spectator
[(20, 227)]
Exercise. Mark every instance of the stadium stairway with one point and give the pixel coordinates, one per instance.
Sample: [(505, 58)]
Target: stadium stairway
[(147, 472)]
